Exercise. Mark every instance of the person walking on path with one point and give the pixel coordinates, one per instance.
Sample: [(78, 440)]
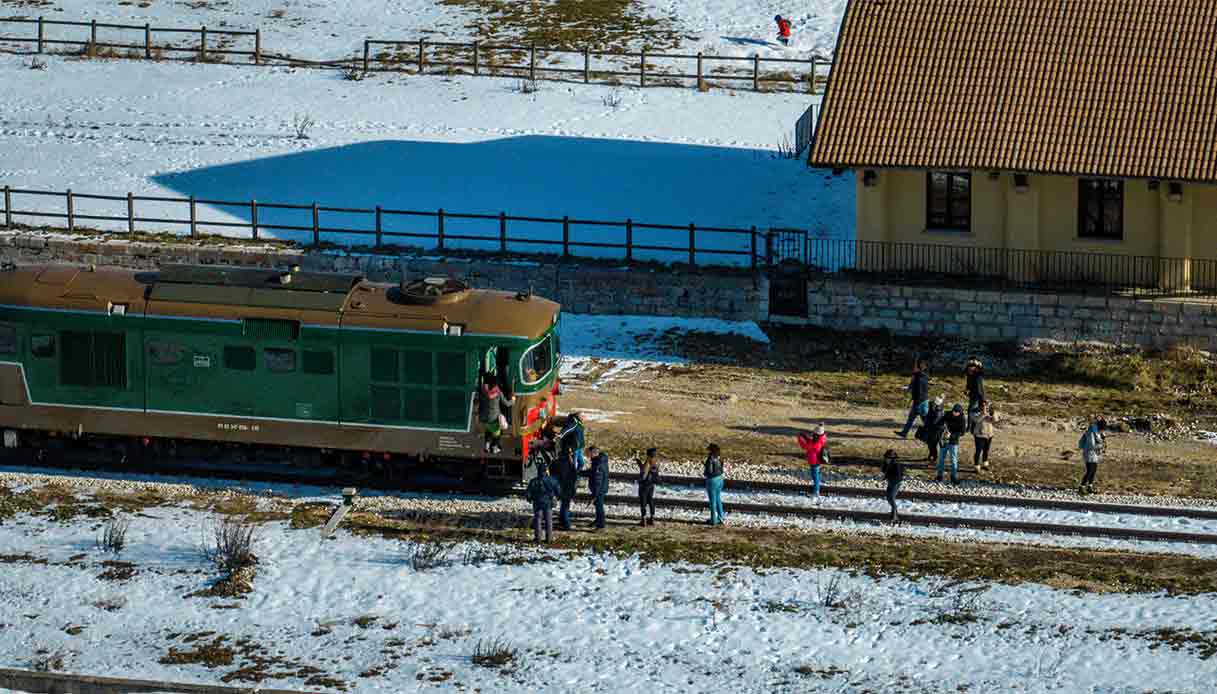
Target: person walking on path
[(491, 403), (893, 472), (712, 471), (572, 439), (974, 385), (930, 432), (982, 434), (541, 492), (568, 481), (598, 483), (954, 424), (813, 444), (919, 396), (783, 30), (648, 477), (1091, 443)]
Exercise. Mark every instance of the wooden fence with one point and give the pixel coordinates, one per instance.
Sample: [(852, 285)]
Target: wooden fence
[(477, 58)]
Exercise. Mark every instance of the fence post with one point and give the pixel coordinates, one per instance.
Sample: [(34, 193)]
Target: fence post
[(40, 34), (253, 218), (629, 240), (565, 236), (194, 219), (440, 236), (642, 68), (258, 46), (316, 225), (367, 48), (756, 72), (753, 248), (587, 65), (379, 228), (813, 74), (692, 244), (476, 52), (699, 71), (71, 211), (147, 42), (503, 232), (8, 206), (130, 213), (422, 58), (202, 43), (93, 33), (532, 61), (769, 248)]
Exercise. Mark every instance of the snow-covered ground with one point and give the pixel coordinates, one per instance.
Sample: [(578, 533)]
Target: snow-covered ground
[(355, 609)]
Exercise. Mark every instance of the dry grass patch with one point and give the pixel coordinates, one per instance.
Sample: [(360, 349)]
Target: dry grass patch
[(570, 24)]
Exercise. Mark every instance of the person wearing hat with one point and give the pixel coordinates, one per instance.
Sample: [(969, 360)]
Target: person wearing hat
[(893, 472), (954, 425), (813, 444), (648, 477), (712, 471), (598, 482), (541, 492), (974, 386), (783, 29)]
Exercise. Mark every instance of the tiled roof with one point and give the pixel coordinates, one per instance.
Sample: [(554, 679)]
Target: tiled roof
[(1121, 88)]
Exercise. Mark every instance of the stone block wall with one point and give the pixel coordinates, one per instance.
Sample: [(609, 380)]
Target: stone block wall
[(581, 287), (1008, 316)]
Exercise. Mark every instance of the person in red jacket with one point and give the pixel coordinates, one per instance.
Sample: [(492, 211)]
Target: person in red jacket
[(783, 29), (813, 444)]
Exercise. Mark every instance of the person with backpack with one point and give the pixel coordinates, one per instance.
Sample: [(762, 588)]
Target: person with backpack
[(974, 386), (572, 438), (598, 483), (919, 396), (712, 471), (491, 404), (1092, 443), (648, 477), (783, 30), (983, 429), (814, 444), (568, 481), (541, 492), (930, 433), (954, 425), (893, 472)]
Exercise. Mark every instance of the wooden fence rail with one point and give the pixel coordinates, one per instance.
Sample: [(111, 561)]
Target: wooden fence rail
[(477, 58)]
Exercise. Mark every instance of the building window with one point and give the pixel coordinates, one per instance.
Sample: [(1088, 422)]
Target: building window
[(948, 204), (1100, 209)]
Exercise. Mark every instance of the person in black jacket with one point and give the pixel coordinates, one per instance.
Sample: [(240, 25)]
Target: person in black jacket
[(598, 482), (893, 472), (568, 480), (930, 433), (919, 397), (541, 492), (955, 424), (974, 374), (648, 477)]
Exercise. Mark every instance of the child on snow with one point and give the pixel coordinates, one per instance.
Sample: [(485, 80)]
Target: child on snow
[(783, 30)]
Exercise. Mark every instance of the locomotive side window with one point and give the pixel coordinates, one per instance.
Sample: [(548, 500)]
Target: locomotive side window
[(451, 387), (8, 338), (42, 345), (417, 367), (240, 358), (93, 359), (280, 361), (384, 365), (420, 387), (317, 363), (165, 353)]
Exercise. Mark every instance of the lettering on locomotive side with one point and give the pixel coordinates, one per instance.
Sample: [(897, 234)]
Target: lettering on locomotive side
[(235, 426)]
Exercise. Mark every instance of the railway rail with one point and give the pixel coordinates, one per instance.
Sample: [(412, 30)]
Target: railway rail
[(336, 478)]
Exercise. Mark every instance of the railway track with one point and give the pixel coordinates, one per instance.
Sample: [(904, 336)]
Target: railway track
[(1009, 501), (338, 478)]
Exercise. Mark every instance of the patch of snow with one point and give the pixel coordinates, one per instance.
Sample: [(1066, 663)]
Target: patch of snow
[(1208, 436)]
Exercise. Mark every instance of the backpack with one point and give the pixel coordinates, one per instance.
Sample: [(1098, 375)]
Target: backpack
[(825, 458), (536, 490)]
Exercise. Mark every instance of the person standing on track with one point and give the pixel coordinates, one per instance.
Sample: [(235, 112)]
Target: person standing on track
[(541, 492), (568, 480), (919, 395), (1092, 443), (983, 429), (783, 30), (813, 444), (712, 471), (598, 483), (648, 477), (955, 424), (893, 472)]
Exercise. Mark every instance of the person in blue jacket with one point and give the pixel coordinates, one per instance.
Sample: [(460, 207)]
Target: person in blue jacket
[(598, 482), (542, 490)]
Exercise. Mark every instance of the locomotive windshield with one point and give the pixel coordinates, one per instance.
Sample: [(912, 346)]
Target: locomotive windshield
[(537, 362)]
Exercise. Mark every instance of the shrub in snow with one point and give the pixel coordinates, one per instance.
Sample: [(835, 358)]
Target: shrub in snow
[(495, 653), (527, 86), (612, 99), (36, 64), (429, 555), (353, 73), (114, 535), (785, 149), (231, 544), (48, 662), (302, 123)]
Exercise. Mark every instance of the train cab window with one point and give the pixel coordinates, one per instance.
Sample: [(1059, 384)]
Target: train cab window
[(317, 363), (240, 358), (42, 345), (537, 361), (8, 338), (280, 361)]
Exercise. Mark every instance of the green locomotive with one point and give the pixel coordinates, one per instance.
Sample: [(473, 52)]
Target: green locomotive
[(330, 363)]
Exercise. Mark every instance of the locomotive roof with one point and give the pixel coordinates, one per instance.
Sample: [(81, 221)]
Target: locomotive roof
[(237, 292)]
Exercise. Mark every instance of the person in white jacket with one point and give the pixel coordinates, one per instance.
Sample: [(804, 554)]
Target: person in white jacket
[(1091, 444)]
